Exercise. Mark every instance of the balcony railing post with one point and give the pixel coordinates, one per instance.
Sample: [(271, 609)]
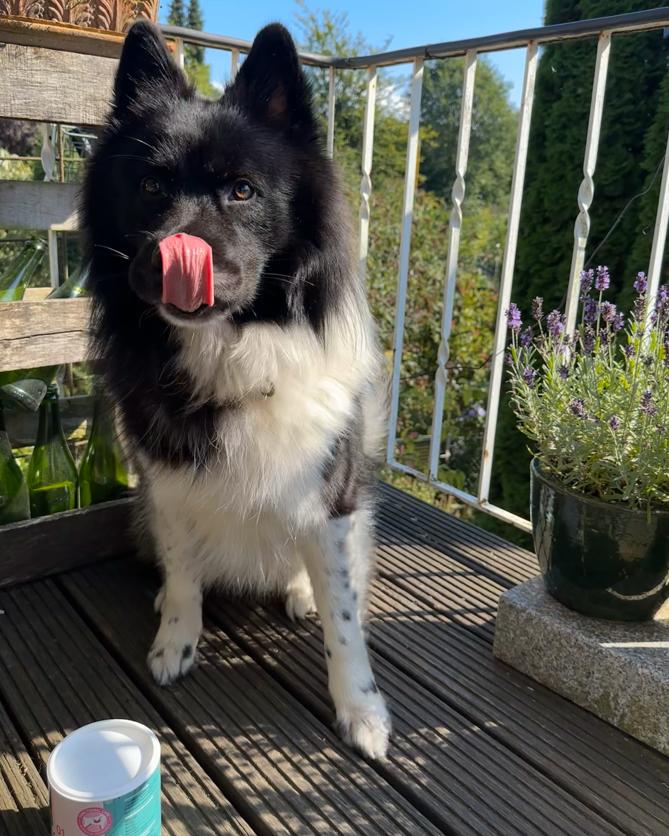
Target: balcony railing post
[(586, 191), (234, 63), (410, 177), (331, 113), (508, 264), (179, 52), (366, 167), (454, 227), (659, 238)]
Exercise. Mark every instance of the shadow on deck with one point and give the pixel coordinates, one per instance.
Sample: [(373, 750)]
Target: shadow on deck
[(247, 740)]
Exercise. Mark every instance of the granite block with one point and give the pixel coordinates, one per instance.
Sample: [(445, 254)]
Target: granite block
[(617, 670)]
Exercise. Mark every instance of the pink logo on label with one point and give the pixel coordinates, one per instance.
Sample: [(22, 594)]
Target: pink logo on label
[(94, 820)]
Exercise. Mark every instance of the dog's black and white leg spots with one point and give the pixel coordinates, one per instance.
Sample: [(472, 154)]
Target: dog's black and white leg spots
[(339, 560), (173, 651), (300, 600), (179, 603)]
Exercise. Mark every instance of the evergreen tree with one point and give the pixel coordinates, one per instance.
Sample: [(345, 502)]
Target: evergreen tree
[(177, 13), (655, 146), (195, 54)]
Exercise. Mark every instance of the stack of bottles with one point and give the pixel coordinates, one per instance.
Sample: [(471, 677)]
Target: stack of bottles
[(53, 483)]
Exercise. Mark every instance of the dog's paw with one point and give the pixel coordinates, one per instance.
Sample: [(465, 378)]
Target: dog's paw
[(300, 600), (366, 727), (173, 652), (170, 659)]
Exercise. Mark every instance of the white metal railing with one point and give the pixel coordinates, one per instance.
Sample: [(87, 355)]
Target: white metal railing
[(530, 39)]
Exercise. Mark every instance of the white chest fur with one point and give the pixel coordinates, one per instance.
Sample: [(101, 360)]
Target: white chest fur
[(288, 395)]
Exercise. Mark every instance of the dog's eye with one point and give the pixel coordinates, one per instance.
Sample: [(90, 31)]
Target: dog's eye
[(152, 187), (242, 190)]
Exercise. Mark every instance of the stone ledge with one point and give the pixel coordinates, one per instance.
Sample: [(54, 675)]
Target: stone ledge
[(617, 670)]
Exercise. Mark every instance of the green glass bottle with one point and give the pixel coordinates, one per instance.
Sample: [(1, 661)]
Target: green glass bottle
[(102, 474), (14, 501), (52, 473), (20, 272), (27, 387)]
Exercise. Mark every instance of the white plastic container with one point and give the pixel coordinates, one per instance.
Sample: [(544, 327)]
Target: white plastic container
[(104, 778)]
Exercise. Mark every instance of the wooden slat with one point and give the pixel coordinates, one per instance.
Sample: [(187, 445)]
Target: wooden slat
[(36, 548), (609, 772), (444, 613), (57, 677), (488, 554), (290, 773), (61, 36), (27, 204), (43, 333), (23, 795), (48, 85), (467, 781)]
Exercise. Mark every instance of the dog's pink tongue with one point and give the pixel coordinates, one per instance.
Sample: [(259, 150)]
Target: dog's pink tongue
[(188, 272)]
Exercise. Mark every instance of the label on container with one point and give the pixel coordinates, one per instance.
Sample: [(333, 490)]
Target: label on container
[(136, 813)]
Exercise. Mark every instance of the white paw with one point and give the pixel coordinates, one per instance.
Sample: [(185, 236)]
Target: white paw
[(173, 651), (366, 726), (300, 601)]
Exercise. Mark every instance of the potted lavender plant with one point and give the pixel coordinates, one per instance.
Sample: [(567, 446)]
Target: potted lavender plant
[(595, 406)]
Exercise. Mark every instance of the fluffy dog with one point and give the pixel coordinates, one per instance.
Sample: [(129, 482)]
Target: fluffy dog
[(255, 421)]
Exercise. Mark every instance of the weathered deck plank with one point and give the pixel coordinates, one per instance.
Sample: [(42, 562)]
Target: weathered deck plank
[(473, 784), (289, 770), (23, 796), (477, 749), (56, 677)]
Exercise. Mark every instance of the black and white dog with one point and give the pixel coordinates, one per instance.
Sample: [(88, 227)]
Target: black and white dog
[(256, 421)]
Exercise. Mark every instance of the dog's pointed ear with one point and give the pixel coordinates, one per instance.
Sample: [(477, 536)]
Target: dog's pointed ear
[(145, 66), (270, 83)]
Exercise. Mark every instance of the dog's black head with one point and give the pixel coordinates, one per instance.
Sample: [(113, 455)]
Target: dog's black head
[(246, 173)]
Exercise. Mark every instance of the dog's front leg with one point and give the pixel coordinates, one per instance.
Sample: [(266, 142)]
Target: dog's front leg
[(180, 605), (339, 560)]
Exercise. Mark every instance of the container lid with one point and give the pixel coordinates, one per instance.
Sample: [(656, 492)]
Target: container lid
[(103, 760)]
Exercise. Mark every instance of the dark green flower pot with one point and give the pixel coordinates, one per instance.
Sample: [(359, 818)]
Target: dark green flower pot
[(599, 558)]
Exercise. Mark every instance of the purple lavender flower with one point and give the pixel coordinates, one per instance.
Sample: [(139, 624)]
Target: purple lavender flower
[(587, 278), (647, 405), (526, 337), (529, 376), (602, 278), (563, 371), (577, 407), (590, 309), (641, 282), (508, 359), (614, 423), (618, 322), (608, 312), (555, 323), (639, 307), (513, 317), (629, 350), (537, 308)]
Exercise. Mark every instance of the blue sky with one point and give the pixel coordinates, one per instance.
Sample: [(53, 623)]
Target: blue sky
[(405, 24)]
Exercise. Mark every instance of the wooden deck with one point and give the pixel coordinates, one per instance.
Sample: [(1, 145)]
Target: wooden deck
[(247, 740)]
